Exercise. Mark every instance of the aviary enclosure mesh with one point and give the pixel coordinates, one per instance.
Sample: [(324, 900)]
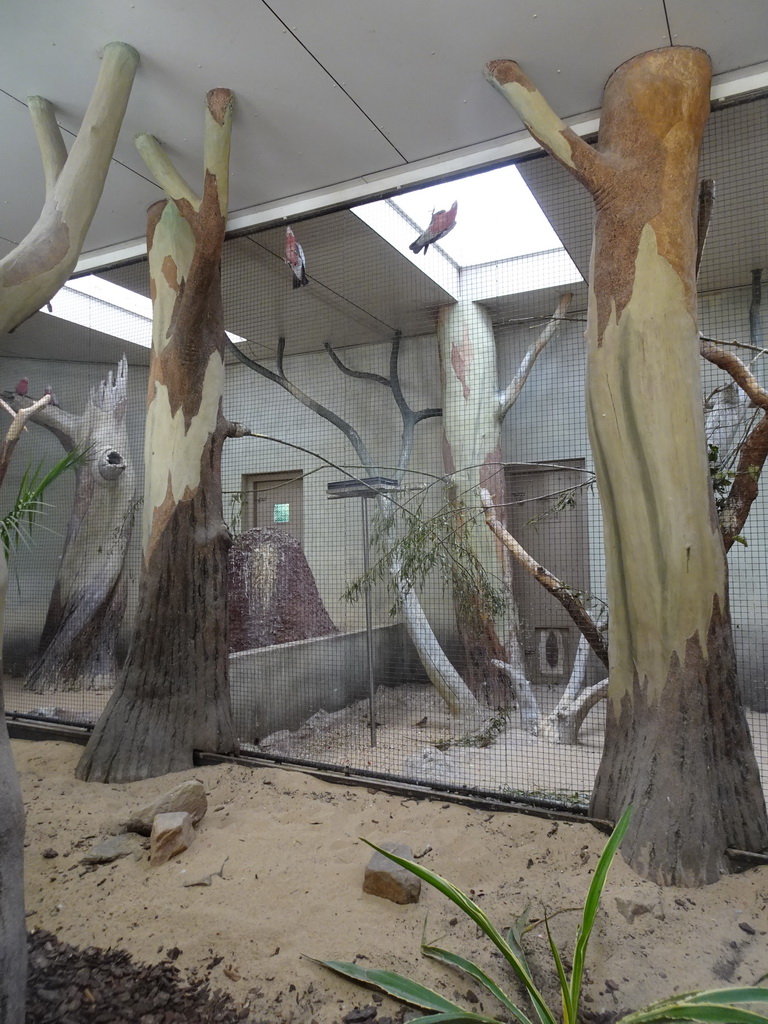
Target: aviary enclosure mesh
[(311, 699)]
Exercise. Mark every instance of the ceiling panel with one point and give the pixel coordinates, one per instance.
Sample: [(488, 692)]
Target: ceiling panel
[(417, 68), (734, 34), (294, 131), (328, 92), (121, 213)]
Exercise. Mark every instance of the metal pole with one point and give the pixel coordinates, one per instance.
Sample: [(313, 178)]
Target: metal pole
[(368, 629)]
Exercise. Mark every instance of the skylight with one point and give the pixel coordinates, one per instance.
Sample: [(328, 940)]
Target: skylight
[(103, 306), (498, 222)]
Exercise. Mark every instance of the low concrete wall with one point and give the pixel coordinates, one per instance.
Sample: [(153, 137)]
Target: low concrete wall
[(280, 687)]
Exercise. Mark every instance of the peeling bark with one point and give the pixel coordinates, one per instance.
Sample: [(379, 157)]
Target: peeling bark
[(77, 646), (40, 264), (677, 744), (173, 695)]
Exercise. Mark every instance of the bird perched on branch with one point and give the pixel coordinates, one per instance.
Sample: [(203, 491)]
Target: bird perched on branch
[(49, 391), (294, 257), (442, 222), (22, 387)]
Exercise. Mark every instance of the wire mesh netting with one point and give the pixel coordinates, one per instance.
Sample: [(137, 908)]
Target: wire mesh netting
[(377, 624)]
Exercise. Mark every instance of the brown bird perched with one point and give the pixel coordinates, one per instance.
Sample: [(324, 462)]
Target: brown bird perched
[(442, 222)]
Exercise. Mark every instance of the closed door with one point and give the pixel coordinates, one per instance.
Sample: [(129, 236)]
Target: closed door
[(275, 502), (547, 514)]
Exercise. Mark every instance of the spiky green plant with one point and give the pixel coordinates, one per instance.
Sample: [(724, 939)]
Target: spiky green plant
[(714, 1007), (16, 524)]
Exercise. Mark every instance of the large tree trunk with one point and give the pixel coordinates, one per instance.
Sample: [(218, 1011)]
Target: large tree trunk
[(77, 646), (677, 743), (13, 934), (474, 408), (173, 696), (472, 459), (34, 271)]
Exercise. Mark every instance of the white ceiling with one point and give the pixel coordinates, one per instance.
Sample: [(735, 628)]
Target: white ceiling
[(329, 93)]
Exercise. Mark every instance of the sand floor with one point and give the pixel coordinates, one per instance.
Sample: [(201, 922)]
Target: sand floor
[(293, 862)]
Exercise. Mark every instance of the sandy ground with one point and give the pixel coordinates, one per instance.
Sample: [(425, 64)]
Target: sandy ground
[(293, 864)]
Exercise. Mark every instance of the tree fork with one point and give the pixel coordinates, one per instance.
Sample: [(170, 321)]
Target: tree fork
[(40, 264), (677, 743)]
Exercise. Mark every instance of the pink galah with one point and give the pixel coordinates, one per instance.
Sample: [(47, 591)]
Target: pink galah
[(49, 391), (22, 387), (294, 257), (442, 222)]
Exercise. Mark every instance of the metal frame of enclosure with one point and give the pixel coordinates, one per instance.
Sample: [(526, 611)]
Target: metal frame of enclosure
[(341, 382)]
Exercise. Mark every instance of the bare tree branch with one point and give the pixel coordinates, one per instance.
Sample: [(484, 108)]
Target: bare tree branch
[(584, 621), (512, 392), (359, 374), (706, 204), (160, 166), (753, 451), (53, 151), (279, 378), (14, 433)]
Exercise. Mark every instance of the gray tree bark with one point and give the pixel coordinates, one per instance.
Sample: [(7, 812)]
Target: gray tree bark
[(77, 646)]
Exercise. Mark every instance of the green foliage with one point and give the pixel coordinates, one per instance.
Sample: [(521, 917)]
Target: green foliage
[(16, 524), (721, 478), (417, 544), (716, 1007)]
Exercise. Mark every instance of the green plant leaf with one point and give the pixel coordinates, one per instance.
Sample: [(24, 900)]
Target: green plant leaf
[(479, 975), (515, 933), (709, 1013), (689, 1003), (15, 525), (452, 1018), (471, 909), (568, 1011), (394, 984), (590, 908), (751, 994)]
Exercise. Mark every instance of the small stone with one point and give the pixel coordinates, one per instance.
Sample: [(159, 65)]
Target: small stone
[(360, 1015), (746, 928), (390, 881), (172, 833), (188, 796), (632, 907), (110, 849), (50, 853)]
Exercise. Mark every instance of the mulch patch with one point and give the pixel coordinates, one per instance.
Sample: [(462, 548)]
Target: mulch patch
[(67, 985)]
